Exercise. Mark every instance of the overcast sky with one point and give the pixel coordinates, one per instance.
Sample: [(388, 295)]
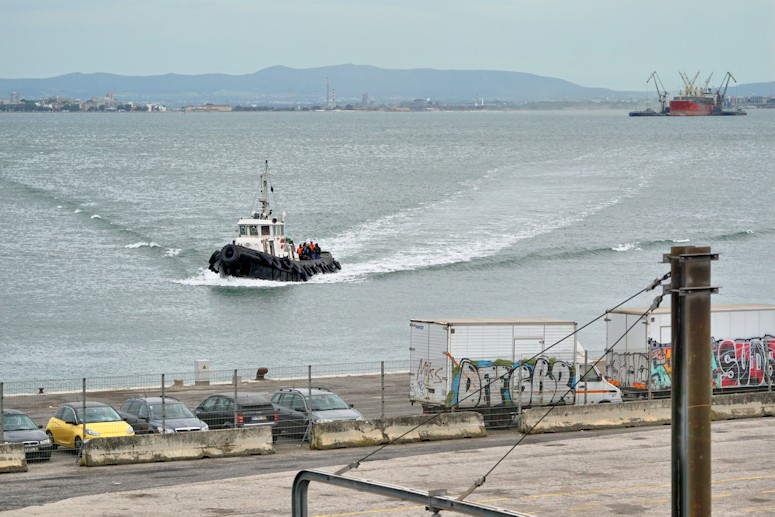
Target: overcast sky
[(603, 43)]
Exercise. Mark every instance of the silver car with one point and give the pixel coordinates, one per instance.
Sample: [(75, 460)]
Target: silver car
[(297, 408)]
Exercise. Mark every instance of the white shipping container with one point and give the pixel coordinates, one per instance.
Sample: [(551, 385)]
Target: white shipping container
[(742, 343), (453, 362)]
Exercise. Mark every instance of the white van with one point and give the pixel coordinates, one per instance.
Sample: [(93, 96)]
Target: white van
[(593, 388)]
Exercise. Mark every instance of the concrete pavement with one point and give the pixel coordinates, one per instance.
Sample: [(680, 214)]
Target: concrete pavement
[(625, 473)]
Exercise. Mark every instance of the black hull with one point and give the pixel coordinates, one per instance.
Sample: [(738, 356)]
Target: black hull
[(647, 113), (239, 261)]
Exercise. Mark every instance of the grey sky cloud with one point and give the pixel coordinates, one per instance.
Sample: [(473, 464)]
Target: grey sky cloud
[(603, 43)]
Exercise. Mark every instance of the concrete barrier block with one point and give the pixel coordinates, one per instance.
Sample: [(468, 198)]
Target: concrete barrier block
[(346, 433), (639, 413), (446, 426), (177, 446), (595, 416), (743, 405), (12, 458), (351, 433)]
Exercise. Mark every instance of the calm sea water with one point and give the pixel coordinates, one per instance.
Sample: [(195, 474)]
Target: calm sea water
[(107, 222)]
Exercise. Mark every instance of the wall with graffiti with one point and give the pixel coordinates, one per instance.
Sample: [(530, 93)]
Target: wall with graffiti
[(736, 363), (541, 381)]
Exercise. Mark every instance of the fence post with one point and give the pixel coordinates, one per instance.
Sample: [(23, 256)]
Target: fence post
[(519, 391), (83, 433), (236, 402), (382, 378), (586, 374), (163, 408), (1, 410), (308, 430), (649, 358), (309, 383)]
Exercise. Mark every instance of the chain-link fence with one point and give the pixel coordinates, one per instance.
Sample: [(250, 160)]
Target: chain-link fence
[(53, 416)]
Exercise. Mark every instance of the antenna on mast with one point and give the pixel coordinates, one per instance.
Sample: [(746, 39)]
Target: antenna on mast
[(265, 211)]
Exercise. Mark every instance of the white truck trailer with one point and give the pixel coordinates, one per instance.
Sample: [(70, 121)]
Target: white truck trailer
[(495, 366), (742, 344)]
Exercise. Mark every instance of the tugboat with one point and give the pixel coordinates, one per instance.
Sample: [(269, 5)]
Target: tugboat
[(263, 251)]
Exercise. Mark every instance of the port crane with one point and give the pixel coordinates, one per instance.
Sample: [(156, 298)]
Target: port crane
[(662, 94), (705, 88), (722, 89), (689, 88)]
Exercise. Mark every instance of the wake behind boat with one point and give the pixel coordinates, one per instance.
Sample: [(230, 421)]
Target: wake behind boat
[(263, 251)]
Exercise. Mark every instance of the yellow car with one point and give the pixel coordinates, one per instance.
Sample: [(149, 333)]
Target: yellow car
[(66, 427)]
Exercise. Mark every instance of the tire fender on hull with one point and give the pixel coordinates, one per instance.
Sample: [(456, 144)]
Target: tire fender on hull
[(229, 254), (215, 261)]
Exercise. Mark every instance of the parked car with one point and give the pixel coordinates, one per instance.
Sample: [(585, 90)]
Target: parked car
[(18, 427), (146, 415), (251, 410), (298, 407), (66, 426)]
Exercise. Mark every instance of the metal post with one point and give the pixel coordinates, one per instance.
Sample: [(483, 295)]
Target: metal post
[(691, 394), (83, 433), (163, 408), (586, 374), (382, 379), (519, 392), (308, 430), (309, 383), (649, 355), (236, 402), (1, 411)]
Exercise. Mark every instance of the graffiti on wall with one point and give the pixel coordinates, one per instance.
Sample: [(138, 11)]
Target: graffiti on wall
[(742, 363), (427, 379), (736, 363), (541, 381)]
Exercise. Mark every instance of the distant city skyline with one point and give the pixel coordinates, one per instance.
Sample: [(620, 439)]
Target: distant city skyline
[(600, 43)]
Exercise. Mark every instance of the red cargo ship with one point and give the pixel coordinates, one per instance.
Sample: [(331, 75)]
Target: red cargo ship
[(692, 105), (695, 101)]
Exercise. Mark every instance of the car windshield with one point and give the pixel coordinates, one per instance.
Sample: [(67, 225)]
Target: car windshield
[(173, 411), (18, 423), (327, 402), (98, 414)]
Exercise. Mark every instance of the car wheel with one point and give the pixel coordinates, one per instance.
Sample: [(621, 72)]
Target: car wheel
[(228, 425), (77, 445)]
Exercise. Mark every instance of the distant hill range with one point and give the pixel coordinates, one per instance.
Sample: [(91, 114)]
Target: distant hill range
[(280, 85)]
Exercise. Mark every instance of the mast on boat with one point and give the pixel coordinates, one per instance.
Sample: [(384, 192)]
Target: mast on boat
[(265, 211)]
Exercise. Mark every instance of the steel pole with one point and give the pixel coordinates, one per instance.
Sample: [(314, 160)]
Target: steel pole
[(691, 380)]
